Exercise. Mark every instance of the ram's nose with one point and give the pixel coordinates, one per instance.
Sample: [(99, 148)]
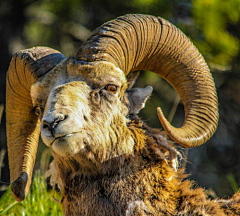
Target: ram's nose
[(50, 123)]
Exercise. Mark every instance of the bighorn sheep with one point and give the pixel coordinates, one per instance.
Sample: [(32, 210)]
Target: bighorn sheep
[(106, 160)]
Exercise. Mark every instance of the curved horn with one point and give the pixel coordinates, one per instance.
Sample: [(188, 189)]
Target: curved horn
[(143, 42), (23, 126)]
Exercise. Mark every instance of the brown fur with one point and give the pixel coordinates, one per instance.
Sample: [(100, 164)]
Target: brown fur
[(139, 184)]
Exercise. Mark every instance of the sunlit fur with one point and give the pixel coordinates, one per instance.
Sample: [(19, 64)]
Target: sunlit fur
[(107, 161)]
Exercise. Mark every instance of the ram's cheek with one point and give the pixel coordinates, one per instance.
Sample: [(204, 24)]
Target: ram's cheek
[(68, 145)]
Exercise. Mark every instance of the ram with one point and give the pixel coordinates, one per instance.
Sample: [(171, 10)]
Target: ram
[(106, 160)]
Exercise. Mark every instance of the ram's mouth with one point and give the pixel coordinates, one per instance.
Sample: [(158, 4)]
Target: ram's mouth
[(55, 139), (68, 135), (62, 137)]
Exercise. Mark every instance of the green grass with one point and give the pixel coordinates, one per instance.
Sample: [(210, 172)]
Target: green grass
[(39, 201), (233, 182)]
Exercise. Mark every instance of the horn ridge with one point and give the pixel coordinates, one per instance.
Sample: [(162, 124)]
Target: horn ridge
[(23, 126), (144, 42)]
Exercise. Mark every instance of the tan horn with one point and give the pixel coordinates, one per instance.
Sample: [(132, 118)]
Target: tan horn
[(23, 126), (144, 42)]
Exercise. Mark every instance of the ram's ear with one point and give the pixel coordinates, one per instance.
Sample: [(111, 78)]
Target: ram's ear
[(137, 98)]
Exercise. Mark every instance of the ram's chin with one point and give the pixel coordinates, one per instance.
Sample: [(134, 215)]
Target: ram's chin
[(68, 145)]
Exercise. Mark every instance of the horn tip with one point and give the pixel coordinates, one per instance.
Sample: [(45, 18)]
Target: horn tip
[(18, 187), (160, 115)]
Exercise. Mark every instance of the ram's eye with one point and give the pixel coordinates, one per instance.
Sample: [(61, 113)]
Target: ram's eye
[(37, 110), (111, 88)]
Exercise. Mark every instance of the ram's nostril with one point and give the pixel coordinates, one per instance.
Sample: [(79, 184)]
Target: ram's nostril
[(46, 125), (65, 117), (50, 123)]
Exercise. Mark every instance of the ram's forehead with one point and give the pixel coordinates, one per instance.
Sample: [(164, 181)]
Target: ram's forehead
[(101, 70), (98, 73), (40, 90)]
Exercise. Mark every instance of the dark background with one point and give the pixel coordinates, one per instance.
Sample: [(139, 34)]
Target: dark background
[(213, 26)]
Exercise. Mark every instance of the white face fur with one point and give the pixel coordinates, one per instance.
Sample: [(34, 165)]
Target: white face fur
[(65, 117), (80, 108)]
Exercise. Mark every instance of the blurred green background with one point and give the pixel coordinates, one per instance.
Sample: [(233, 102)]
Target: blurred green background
[(212, 25)]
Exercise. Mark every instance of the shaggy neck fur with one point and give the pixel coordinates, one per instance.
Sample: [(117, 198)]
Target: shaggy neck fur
[(144, 183)]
